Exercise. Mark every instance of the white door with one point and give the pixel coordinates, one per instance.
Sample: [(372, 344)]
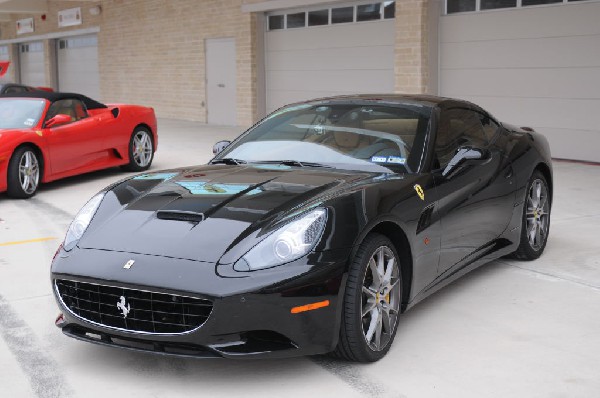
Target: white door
[(323, 58), (31, 63), (77, 59), (221, 81)]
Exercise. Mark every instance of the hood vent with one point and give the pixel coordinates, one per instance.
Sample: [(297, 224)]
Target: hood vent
[(180, 215)]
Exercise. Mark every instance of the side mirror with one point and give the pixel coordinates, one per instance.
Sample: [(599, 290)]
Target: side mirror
[(463, 155), (220, 146), (58, 120)]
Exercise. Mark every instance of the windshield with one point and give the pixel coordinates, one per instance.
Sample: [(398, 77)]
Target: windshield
[(350, 135), (20, 113)]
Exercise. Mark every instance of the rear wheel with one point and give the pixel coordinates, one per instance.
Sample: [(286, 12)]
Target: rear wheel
[(536, 219), (141, 150), (23, 173), (371, 302)]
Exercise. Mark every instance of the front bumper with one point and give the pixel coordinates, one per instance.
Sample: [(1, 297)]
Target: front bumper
[(251, 314)]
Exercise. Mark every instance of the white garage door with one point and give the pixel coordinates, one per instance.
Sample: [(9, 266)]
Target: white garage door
[(78, 65), (346, 49), (31, 63), (537, 67)]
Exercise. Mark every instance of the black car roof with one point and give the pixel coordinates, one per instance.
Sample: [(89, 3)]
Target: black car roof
[(424, 99), (54, 96)]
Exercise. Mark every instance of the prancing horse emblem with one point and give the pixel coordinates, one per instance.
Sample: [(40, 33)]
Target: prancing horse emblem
[(121, 306)]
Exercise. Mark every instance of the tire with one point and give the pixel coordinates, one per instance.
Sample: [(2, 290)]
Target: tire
[(24, 172), (367, 338), (535, 223), (141, 150)]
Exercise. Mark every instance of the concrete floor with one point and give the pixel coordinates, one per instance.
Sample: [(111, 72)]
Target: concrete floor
[(508, 329)]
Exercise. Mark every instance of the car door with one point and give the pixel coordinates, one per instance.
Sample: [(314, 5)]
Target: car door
[(477, 198), (74, 145)]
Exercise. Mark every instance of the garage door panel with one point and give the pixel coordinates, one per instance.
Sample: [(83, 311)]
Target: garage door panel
[(571, 83), (536, 67), (352, 80), (312, 62), (78, 69), (571, 51), (575, 19), (31, 64), (288, 97), (561, 142), (350, 35), (541, 113), (332, 58)]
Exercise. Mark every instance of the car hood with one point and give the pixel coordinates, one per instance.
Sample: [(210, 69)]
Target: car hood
[(200, 213)]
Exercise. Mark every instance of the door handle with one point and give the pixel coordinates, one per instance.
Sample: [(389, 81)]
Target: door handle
[(220, 85)]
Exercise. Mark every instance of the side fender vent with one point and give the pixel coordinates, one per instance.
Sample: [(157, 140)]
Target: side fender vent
[(425, 219), (115, 112)]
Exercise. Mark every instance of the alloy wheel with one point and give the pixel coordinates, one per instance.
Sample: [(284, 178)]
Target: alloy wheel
[(380, 304), (142, 148), (538, 213), (29, 172)]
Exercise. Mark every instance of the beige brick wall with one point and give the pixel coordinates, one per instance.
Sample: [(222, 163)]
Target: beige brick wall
[(411, 52), (152, 52)]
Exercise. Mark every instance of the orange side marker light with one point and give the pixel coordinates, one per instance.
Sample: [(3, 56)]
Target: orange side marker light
[(310, 307)]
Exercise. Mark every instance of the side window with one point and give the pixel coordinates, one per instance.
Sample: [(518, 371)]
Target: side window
[(490, 128), (458, 127), (15, 89), (71, 107)]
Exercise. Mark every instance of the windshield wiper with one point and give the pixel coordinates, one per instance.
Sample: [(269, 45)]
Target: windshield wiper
[(296, 163), (229, 161)]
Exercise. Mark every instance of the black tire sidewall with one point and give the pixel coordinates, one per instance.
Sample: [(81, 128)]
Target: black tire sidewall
[(353, 299), (14, 188), (525, 250), (132, 165)]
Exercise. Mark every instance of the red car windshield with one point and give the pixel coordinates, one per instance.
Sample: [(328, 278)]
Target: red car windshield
[(17, 113)]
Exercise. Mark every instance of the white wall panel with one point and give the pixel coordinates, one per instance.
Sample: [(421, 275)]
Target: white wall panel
[(537, 67)]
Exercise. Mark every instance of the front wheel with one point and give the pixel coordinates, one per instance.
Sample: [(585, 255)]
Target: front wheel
[(141, 150), (371, 302), (23, 173), (536, 219)]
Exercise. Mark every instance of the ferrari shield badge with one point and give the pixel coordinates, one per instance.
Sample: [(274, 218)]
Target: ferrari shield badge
[(420, 191)]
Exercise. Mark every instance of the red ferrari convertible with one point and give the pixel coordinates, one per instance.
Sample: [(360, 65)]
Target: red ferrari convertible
[(46, 136)]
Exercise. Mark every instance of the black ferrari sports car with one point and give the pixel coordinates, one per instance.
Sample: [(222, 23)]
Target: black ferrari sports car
[(310, 233)]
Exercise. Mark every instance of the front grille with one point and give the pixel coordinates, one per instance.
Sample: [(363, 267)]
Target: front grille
[(134, 310)]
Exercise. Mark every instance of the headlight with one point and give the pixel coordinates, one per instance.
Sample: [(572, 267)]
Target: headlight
[(81, 221), (288, 243)]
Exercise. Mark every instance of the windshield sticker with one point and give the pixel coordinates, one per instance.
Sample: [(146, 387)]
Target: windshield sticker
[(29, 122), (155, 176), (379, 159), (388, 159), (396, 160)]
